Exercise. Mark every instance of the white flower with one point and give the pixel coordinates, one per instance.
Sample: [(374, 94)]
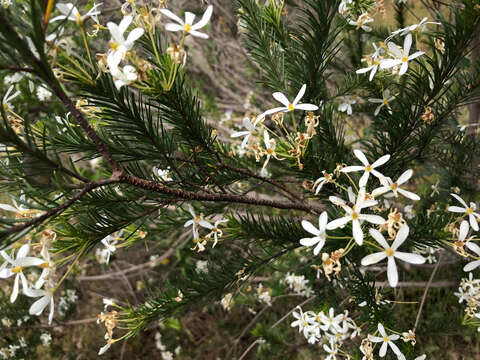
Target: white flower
[(48, 269), (270, 146), (409, 29), (187, 26), (247, 124), (46, 338), (331, 322), (421, 357), (375, 64), (354, 215), (383, 102), (331, 350), (70, 12), (387, 341), (388, 185), (301, 320), (468, 210), (195, 221), (320, 234), (346, 103), (287, 105), (121, 76), (363, 19), (43, 94), (109, 242), (391, 253), (402, 57), (163, 174), (16, 268), (366, 167), (8, 97), (40, 305), (118, 42)]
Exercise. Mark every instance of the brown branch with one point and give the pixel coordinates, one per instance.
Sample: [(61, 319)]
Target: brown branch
[(188, 195), (16, 68)]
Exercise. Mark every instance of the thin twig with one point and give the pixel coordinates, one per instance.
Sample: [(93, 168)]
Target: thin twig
[(426, 291)]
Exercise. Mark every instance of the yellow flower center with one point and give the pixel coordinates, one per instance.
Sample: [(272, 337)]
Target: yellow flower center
[(332, 353), (390, 252), (187, 28), (113, 45), (215, 230), (404, 59), (394, 186), (354, 215), (270, 151), (17, 269), (305, 323), (290, 107), (5, 106), (385, 102), (368, 168), (44, 265), (376, 62), (386, 339), (469, 211), (196, 240)]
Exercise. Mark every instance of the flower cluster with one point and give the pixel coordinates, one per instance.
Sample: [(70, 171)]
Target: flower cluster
[(298, 284), (354, 214)]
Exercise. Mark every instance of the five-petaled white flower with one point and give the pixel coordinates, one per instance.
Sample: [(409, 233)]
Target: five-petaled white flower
[(391, 253), (346, 103), (289, 106), (366, 167), (16, 268), (187, 26), (118, 43), (70, 12), (247, 124), (354, 215), (331, 322), (195, 221), (109, 242), (301, 320), (402, 57), (384, 101), (270, 146), (387, 340), (331, 350), (467, 210), (361, 22), (373, 68), (389, 185), (320, 233), (9, 97)]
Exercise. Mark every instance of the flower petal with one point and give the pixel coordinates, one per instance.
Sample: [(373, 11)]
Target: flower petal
[(348, 169), (361, 156), (280, 97), (392, 273), (205, 18), (381, 161), (401, 237), (309, 241), (471, 265), (404, 177), (410, 258), (306, 107), (308, 226), (357, 232), (460, 200), (379, 238), (408, 194), (338, 222), (373, 258), (172, 16), (300, 94)]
